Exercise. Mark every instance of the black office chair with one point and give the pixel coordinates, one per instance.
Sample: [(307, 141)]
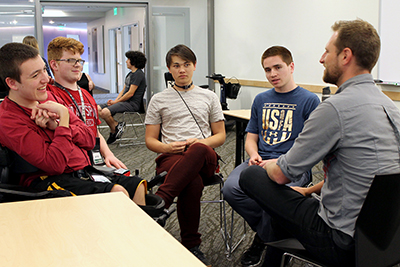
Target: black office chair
[(134, 120), (11, 167), (377, 233), (169, 80)]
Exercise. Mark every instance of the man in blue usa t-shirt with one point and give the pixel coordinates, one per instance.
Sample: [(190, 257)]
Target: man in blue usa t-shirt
[(277, 117)]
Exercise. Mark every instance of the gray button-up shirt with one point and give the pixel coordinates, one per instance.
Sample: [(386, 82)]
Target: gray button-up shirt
[(351, 132)]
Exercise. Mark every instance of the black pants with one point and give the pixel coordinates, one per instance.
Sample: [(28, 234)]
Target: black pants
[(294, 215), (77, 186)]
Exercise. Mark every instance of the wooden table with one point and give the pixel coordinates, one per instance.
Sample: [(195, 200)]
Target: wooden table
[(93, 230), (241, 118)]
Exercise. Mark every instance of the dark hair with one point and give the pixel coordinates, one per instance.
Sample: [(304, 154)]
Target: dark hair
[(281, 51), (12, 55), (181, 51), (137, 59), (362, 39)]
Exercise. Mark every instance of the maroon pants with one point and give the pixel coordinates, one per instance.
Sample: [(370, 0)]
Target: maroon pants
[(186, 172)]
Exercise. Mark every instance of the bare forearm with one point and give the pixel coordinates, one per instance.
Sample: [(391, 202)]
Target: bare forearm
[(275, 173), (214, 140), (315, 188), (104, 149), (125, 97), (119, 95), (155, 145), (251, 149)]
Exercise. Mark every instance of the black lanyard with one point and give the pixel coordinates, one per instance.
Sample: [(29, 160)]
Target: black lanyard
[(191, 113), (73, 100)]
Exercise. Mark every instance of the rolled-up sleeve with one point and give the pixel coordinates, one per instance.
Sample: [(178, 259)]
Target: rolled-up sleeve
[(321, 135)]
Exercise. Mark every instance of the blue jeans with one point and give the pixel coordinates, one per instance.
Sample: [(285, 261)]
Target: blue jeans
[(248, 208), (294, 215)]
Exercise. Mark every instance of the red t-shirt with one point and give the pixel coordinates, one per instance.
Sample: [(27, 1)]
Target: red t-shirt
[(92, 116)]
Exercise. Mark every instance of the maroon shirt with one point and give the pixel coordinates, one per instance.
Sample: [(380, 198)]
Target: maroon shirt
[(53, 152)]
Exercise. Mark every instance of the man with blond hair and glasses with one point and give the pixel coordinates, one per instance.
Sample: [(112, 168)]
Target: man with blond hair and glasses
[(64, 55)]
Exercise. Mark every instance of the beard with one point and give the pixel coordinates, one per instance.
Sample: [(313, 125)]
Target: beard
[(332, 74)]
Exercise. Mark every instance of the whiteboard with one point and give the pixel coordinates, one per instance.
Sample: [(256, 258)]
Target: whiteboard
[(389, 62), (244, 29)]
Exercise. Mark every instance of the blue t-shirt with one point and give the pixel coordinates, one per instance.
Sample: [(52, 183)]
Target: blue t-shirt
[(278, 118)]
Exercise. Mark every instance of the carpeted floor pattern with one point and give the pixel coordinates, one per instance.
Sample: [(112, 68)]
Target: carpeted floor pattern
[(138, 157)]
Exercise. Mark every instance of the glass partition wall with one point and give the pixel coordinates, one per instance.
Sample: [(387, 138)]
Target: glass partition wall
[(89, 22), (17, 19)]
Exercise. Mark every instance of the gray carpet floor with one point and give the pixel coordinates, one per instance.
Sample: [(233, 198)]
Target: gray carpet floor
[(138, 157)]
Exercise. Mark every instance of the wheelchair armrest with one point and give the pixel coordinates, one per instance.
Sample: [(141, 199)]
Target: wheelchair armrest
[(10, 192), (158, 179)]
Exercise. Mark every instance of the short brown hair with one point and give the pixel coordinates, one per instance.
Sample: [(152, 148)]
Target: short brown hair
[(281, 51), (12, 55), (181, 51), (362, 39), (60, 44), (31, 40)]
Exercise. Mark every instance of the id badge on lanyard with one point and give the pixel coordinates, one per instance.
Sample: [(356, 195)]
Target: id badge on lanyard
[(96, 157)]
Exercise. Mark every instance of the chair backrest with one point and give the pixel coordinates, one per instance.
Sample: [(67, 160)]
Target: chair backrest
[(142, 108), (168, 79), (326, 93), (12, 166), (377, 232), (5, 163)]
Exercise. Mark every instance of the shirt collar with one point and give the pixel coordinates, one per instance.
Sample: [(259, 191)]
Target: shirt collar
[(365, 78)]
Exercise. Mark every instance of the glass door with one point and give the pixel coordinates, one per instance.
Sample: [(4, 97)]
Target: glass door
[(171, 26)]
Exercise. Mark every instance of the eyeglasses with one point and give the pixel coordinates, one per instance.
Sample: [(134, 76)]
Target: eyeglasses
[(72, 61)]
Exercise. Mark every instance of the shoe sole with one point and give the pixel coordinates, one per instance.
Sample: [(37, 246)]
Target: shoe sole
[(120, 131), (109, 142)]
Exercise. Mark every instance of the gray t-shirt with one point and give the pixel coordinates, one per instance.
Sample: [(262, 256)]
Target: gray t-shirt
[(167, 108), (351, 132), (136, 78)]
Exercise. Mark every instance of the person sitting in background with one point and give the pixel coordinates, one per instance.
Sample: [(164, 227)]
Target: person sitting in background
[(191, 124), (31, 40), (277, 118), (47, 134), (66, 63), (129, 99), (86, 83)]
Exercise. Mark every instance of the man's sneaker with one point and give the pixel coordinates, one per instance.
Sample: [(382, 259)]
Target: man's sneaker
[(119, 129), (112, 138), (254, 255), (200, 255)]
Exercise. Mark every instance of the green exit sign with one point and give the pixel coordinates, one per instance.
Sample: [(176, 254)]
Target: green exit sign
[(115, 11)]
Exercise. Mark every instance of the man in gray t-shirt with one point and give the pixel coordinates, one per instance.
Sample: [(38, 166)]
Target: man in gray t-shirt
[(129, 99)]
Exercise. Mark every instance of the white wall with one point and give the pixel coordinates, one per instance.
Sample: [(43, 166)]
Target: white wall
[(244, 29)]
